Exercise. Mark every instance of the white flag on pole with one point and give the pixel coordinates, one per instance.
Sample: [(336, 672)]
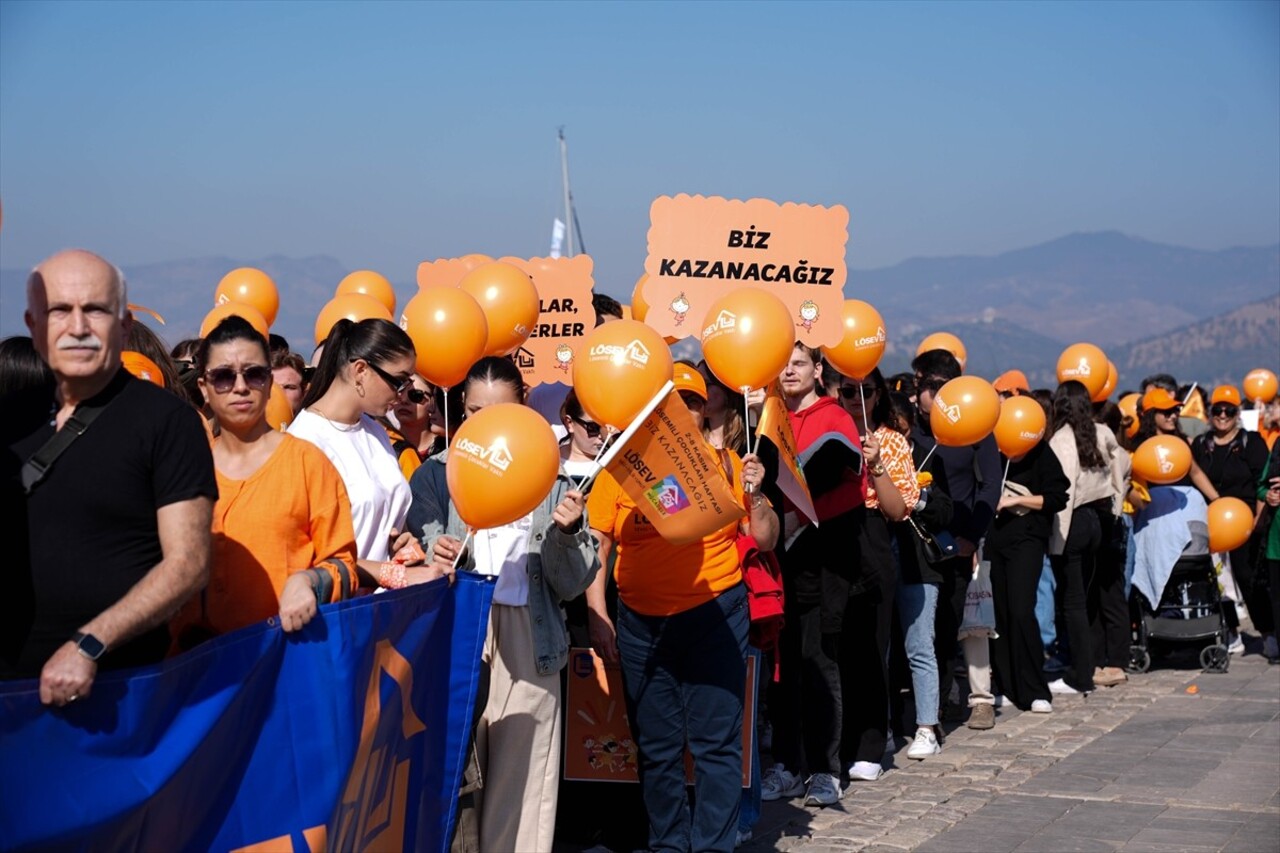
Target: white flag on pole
[(557, 238)]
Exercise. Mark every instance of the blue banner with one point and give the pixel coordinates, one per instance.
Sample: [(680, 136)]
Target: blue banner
[(350, 734)]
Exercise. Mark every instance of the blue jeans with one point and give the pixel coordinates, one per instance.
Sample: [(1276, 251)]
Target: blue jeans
[(749, 813), (684, 676), (1045, 605), (917, 603)]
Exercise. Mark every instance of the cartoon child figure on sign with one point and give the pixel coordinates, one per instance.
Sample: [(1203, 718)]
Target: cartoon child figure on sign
[(808, 314), (680, 307), (564, 357)]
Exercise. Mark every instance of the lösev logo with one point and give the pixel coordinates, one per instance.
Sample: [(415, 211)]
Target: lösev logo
[(635, 352), (496, 455), (1162, 460), (725, 321), (950, 412), (1082, 369), (871, 340)]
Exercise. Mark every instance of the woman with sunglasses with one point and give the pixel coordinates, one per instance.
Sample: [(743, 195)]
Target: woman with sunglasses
[(282, 536), (366, 368), (539, 561), (1233, 460), (419, 432)]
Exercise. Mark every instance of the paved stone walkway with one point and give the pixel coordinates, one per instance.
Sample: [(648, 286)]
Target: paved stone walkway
[(1174, 760)]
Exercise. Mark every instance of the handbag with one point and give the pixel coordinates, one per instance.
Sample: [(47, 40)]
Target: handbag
[(936, 547), (1016, 490)]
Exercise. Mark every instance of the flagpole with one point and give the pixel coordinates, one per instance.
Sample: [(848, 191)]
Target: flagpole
[(564, 177), (622, 439)]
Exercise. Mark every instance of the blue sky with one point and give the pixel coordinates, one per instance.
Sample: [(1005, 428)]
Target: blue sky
[(386, 134)]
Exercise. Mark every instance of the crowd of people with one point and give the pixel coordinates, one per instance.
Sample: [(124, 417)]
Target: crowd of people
[(191, 516)]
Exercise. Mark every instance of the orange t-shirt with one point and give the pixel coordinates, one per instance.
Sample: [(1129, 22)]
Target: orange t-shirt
[(287, 516), (655, 577)]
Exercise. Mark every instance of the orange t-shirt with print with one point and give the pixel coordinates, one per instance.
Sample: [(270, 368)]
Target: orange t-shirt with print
[(655, 577), (895, 456), (284, 518)]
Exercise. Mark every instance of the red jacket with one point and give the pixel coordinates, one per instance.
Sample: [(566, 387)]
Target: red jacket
[(831, 455)]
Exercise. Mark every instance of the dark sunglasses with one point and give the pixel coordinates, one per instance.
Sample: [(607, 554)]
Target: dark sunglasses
[(417, 396), (592, 429), (223, 379), (850, 392), (1227, 409), (307, 373), (396, 384)]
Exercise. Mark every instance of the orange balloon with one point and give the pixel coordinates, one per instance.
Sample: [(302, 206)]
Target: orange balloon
[(1020, 426), (1162, 459), (626, 364), (1230, 524), (250, 287), (862, 346), (449, 331), (1113, 377), (946, 341), (348, 306), (229, 309), (639, 305), (372, 284), (964, 411), (279, 412), (502, 463), (470, 262), (1086, 364), (142, 367), (747, 337), (1129, 408), (1260, 384), (510, 303)]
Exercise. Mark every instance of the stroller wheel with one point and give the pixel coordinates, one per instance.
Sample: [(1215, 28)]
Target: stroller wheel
[(1139, 659), (1215, 658)]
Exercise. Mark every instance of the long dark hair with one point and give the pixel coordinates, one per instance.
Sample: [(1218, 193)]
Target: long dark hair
[(495, 370), (27, 386), (375, 341), (735, 427), (1073, 409), (142, 339)]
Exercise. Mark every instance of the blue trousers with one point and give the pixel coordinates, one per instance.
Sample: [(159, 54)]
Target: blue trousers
[(684, 677)]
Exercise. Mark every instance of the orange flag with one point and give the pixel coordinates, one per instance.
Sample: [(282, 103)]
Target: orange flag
[(670, 471), (775, 427)]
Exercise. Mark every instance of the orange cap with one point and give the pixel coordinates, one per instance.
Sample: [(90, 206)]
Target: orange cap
[(1225, 394), (689, 379), (1157, 399), (1012, 380), (142, 367)]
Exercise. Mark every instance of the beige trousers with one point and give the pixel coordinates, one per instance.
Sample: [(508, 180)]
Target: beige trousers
[(517, 740)]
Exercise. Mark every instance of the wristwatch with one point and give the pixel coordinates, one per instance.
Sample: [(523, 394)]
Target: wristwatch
[(89, 645)]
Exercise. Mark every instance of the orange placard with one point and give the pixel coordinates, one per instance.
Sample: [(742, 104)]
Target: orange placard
[(702, 248), (566, 316), (597, 734)]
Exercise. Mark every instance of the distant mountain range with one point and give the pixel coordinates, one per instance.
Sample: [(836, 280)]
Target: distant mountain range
[(1204, 316)]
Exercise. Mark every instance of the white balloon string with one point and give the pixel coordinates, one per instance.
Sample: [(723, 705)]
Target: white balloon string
[(746, 417), (585, 485), (457, 559), (862, 395), (925, 460), (446, 416)]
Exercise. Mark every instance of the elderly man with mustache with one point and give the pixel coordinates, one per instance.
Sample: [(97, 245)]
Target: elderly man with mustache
[(114, 511)]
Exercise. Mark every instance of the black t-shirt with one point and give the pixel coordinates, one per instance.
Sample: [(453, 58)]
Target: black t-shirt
[(89, 530), (1234, 467)]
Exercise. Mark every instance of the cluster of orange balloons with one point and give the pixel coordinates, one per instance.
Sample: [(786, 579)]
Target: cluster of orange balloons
[(502, 462), (620, 367), (247, 293), (862, 340), (510, 303), (362, 295), (965, 411), (449, 331), (747, 338)]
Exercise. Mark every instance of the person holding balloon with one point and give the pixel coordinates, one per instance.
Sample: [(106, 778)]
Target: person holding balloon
[(419, 431), (526, 525), (366, 368), (1233, 460), (1091, 584), (282, 536), (1035, 490)]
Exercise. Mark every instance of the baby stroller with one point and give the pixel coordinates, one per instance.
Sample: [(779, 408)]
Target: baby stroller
[(1189, 611)]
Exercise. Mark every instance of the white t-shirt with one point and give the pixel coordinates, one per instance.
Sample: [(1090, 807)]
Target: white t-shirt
[(376, 487), (503, 551), (578, 469)]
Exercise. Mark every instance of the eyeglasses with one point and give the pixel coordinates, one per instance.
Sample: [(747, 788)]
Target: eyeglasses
[(223, 379), (591, 428), (395, 383), (416, 396), (1226, 410), (850, 392)]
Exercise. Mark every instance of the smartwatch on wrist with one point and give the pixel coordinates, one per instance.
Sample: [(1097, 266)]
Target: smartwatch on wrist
[(89, 645)]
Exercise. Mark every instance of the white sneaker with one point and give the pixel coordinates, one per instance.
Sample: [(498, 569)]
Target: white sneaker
[(824, 790), (1270, 648), (780, 784), (1235, 645), (924, 745), (743, 836), (1041, 706), (867, 771), (998, 700), (1061, 688)]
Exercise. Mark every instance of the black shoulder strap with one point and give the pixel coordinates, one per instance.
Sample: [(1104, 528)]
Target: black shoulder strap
[(35, 468)]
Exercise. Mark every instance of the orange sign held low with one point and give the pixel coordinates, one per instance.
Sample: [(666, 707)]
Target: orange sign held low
[(703, 248)]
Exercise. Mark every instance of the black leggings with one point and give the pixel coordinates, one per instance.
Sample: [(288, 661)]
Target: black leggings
[(1073, 571)]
